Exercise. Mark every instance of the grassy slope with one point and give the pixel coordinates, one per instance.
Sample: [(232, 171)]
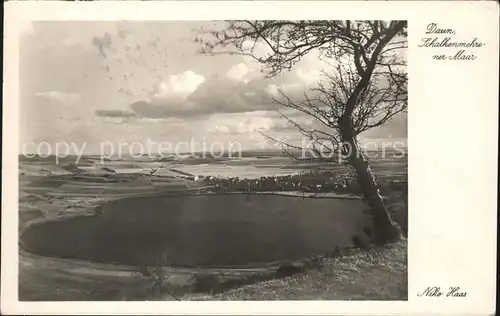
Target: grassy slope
[(378, 274)]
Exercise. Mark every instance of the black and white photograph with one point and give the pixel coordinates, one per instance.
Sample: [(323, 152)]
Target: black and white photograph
[(213, 160), (225, 158)]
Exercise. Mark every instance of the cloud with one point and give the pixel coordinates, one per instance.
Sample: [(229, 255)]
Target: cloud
[(274, 90), (163, 108), (59, 96), (239, 123), (309, 76), (183, 83), (258, 49), (221, 94), (242, 72), (219, 130), (116, 113), (397, 127), (284, 125), (311, 66), (241, 89), (189, 94)]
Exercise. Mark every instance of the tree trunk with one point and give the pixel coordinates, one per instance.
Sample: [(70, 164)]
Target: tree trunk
[(385, 229)]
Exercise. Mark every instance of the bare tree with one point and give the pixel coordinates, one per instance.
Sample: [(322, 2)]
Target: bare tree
[(365, 87), (156, 274)]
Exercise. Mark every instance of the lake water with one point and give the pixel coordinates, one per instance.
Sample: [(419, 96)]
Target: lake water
[(207, 230)]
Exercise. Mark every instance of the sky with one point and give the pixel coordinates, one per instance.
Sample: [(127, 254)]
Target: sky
[(95, 83)]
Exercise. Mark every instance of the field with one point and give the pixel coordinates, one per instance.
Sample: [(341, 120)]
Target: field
[(69, 252)]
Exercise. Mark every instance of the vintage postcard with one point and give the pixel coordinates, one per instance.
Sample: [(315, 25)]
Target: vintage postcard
[(209, 157)]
